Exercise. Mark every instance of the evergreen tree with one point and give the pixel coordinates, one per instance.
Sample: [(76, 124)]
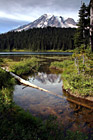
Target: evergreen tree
[(82, 34)]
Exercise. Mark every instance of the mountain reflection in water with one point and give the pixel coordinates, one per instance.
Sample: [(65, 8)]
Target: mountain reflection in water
[(46, 78)]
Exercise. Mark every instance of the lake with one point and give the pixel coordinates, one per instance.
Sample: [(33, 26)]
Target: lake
[(36, 53)]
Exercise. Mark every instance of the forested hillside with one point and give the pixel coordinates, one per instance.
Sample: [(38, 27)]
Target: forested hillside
[(39, 39)]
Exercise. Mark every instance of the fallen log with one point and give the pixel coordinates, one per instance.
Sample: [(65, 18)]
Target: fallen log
[(27, 83)]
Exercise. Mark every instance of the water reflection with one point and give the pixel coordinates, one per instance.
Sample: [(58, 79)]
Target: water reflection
[(46, 78), (50, 82)]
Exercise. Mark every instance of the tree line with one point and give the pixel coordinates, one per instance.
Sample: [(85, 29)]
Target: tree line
[(38, 39)]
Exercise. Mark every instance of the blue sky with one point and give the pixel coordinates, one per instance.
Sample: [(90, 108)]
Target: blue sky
[(14, 13)]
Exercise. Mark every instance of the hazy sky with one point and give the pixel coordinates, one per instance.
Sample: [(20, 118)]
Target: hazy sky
[(14, 13)]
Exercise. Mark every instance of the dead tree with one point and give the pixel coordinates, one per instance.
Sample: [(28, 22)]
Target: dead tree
[(91, 24)]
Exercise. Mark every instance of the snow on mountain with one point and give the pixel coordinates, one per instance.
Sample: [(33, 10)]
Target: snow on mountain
[(70, 22), (49, 20)]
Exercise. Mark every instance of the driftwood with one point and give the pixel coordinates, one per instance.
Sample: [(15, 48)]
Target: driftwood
[(27, 83)]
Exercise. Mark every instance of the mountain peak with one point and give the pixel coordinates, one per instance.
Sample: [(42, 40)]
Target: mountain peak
[(70, 21), (49, 20)]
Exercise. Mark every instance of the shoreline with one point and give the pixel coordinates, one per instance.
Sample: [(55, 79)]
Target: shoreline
[(88, 98)]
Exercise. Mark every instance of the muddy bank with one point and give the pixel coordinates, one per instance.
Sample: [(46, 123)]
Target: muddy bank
[(85, 100), (88, 98)]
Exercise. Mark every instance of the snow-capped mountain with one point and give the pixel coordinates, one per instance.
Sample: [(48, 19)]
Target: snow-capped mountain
[(49, 20)]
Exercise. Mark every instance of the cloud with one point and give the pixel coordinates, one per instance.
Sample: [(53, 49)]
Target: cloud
[(14, 13), (29, 10), (15, 5)]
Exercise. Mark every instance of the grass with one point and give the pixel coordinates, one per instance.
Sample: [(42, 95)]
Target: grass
[(77, 78), (24, 66), (27, 50), (21, 67)]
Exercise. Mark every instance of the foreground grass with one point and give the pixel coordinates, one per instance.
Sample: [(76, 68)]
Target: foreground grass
[(16, 124), (77, 74)]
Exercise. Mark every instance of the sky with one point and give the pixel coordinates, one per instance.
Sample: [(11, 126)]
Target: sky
[(14, 13)]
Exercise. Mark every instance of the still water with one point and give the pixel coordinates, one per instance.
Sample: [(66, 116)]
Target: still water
[(42, 104), (35, 53)]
